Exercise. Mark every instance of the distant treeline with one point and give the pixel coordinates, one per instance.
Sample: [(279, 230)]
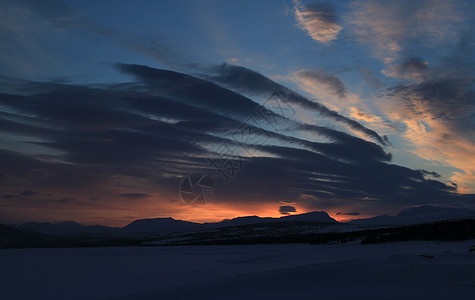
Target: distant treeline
[(268, 233), (439, 231)]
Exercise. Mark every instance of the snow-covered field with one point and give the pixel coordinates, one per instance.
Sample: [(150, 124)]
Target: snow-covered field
[(388, 271)]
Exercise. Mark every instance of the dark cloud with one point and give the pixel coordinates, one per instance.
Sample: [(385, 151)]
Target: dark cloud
[(66, 200), (287, 209), (412, 68), (433, 174), (28, 193), (355, 213), (441, 89), (165, 125), (249, 81), (191, 90), (28, 170), (324, 11), (24, 193), (135, 195), (449, 99), (330, 179)]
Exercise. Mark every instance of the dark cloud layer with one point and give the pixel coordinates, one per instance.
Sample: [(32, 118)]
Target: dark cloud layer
[(251, 82), (165, 125), (444, 93), (450, 99)]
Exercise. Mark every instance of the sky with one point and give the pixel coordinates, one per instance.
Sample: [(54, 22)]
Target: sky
[(357, 108)]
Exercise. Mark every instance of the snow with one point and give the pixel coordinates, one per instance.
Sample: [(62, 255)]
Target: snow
[(389, 271)]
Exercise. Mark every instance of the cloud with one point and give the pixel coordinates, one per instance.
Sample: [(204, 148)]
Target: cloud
[(433, 107), (437, 115), (427, 45), (331, 91), (287, 209), (20, 52), (100, 141), (389, 26), (28, 193), (21, 21), (371, 79), (135, 195), (449, 99), (211, 96), (251, 82), (106, 140), (318, 20), (21, 195), (429, 173), (185, 87), (348, 213), (328, 81), (363, 116), (410, 68)]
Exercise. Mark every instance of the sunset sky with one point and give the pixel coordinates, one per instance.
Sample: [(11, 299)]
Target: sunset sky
[(357, 108)]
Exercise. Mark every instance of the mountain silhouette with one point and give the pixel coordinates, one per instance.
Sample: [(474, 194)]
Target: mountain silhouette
[(160, 225), (314, 216), (165, 225), (16, 237), (65, 228), (418, 214), (414, 215)]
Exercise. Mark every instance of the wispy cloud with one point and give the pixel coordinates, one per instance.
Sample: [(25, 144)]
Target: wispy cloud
[(389, 26), (318, 20), (432, 105), (250, 82), (147, 134), (20, 51), (23, 20), (332, 92), (412, 68), (361, 115), (135, 195), (89, 147), (324, 80), (438, 124)]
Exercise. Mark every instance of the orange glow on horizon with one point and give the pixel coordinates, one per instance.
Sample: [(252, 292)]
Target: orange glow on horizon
[(108, 209)]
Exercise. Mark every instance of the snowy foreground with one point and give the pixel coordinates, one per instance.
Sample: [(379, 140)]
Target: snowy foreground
[(404, 270)]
